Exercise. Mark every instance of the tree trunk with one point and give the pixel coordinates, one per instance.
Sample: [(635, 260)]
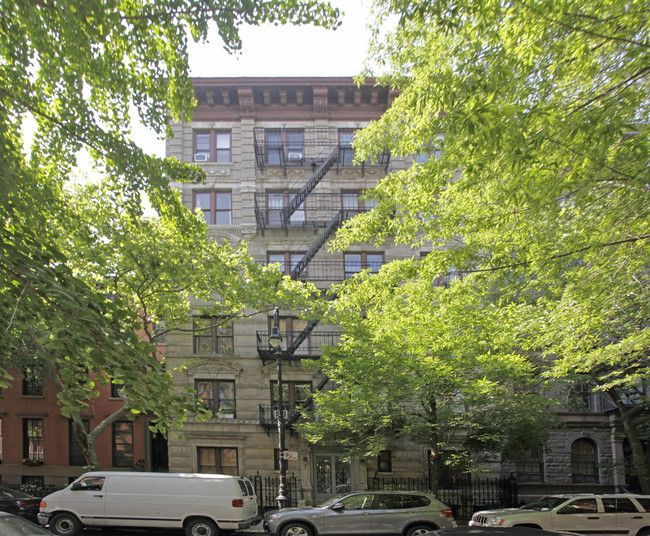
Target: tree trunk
[(435, 460), (640, 462)]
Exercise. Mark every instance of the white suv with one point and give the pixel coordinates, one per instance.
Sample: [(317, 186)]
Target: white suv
[(616, 514)]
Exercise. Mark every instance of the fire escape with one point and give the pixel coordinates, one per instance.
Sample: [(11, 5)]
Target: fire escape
[(321, 151)]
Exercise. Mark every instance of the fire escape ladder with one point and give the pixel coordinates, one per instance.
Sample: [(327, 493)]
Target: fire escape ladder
[(259, 218), (308, 188), (331, 228), (309, 402), (301, 337)]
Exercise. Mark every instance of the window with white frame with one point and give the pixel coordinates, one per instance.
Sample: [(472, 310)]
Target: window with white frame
[(276, 201)]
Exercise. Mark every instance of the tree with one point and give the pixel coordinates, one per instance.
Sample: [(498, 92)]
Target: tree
[(78, 68), (536, 119), (155, 271), (437, 376)]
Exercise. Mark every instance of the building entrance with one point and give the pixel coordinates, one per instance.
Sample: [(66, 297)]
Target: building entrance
[(333, 476)]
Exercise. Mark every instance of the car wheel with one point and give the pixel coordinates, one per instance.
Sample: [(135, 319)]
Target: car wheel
[(643, 532), (296, 529), (201, 527), (65, 525), (417, 530)]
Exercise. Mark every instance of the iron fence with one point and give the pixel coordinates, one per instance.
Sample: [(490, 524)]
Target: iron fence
[(266, 489)]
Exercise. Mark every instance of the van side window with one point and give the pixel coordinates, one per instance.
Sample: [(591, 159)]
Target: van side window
[(242, 485), (92, 483), (249, 487)]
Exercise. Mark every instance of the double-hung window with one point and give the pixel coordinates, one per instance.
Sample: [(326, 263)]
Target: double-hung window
[(33, 380), (217, 460), (287, 261), (355, 262), (76, 452), (284, 146), (212, 146), (210, 337), (216, 206), (217, 396), (276, 201), (33, 439)]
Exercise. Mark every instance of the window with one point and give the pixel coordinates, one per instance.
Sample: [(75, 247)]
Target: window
[(33, 380), (217, 395), (355, 262), (276, 201), (33, 439), (76, 452), (346, 151), (385, 462), (294, 396), (123, 444), (583, 462), (358, 502), (450, 277), (216, 207), (91, 483), (352, 201), (287, 261), (580, 397), (284, 146), (217, 460), (291, 328), (580, 506), (212, 338), (213, 146), (615, 505), (530, 469)]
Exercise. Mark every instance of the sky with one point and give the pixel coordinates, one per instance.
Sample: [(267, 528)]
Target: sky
[(281, 51)]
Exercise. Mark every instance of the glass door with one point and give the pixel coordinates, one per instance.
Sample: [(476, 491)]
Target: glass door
[(333, 476)]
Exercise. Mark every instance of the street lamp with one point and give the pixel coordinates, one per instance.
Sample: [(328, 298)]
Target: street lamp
[(275, 342)]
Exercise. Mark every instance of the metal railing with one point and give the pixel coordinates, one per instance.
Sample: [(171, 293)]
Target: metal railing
[(311, 347), (266, 489)]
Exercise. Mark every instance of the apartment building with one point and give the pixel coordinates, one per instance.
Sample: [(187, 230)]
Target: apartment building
[(278, 159)]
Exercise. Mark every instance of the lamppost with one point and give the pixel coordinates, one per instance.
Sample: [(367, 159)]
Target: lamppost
[(275, 342)]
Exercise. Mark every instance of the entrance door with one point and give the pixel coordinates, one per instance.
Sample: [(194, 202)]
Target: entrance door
[(333, 476)]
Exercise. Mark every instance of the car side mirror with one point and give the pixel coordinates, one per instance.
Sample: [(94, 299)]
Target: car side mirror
[(76, 486), (338, 506)]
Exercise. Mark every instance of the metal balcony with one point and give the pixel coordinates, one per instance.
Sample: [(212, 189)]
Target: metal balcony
[(317, 211), (310, 345), (307, 148)]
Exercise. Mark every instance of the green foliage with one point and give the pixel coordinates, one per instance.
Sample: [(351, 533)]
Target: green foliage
[(77, 69), (539, 194)]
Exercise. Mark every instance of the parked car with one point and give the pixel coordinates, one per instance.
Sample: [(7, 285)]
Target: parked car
[(620, 514), (364, 513), (16, 502), (497, 531), (11, 525)]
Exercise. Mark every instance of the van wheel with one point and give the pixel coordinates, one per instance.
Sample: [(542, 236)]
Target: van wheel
[(201, 527), (65, 525), (417, 530), (296, 529)]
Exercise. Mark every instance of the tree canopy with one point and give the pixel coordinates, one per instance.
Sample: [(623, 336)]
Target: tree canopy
[(535, 119), (78, 69)]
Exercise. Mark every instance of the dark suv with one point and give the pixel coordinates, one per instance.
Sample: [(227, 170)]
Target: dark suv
[(371, 512)]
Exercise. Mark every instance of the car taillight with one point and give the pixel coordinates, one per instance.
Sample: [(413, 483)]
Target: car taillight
[(238, 503), (448, 513)]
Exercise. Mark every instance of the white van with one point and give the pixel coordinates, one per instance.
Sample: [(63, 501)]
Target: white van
[(202, 504)]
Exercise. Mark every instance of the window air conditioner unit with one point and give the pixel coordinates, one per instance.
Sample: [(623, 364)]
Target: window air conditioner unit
[(294, 157), (276, 414), (201, 157)]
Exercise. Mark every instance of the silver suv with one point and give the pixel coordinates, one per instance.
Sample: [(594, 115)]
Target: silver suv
[(378, 512), (616, 514)]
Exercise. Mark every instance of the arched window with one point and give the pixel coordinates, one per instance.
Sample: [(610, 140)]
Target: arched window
[(583, 462)]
